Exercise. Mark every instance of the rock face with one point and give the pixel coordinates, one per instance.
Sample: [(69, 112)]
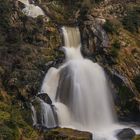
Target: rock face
[(126, 134), (67, 134), (93, 35)]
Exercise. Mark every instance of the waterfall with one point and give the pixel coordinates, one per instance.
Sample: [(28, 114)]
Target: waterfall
[(79, 92), (31, 9), (34, 117), (47, 115)]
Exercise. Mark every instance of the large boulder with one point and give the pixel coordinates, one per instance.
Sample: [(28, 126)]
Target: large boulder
[(67, 134), (126, 134)]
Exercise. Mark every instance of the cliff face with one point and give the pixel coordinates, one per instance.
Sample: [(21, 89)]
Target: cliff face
[(27, 44)]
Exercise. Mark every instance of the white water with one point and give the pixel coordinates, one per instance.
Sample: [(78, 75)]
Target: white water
[(47, 115), (80, 93), (34, 117), (31, 10)]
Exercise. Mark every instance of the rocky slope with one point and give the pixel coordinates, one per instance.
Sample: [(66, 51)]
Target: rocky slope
[(117, 51), (27, 44)]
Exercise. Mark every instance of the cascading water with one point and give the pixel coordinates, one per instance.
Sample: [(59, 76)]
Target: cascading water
[(79, 90), (31, 10), (80, 94)]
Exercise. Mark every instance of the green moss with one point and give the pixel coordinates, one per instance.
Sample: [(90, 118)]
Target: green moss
[(4, 116), (6, 133), (67, 134), (4, 107), (109, 27), (127, 103), (116, 44), (137, 137), (132, 20), (5, 10), (136, 81)]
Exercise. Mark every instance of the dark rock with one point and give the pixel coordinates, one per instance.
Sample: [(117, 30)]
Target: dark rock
[(93, 36), (45, 98), (126, 134), (37, 103)]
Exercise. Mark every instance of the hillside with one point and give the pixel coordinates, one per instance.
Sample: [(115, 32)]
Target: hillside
[(30, 46)]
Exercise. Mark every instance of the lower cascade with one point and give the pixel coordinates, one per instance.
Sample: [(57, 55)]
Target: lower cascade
[(80, 94)]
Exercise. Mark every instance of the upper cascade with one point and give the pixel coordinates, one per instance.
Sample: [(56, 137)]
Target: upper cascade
[(31, 9), (71, 37)]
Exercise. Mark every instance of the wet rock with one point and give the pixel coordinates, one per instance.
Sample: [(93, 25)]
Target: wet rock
[(126, 134), (45, 98), (93, 35), (67, 134)]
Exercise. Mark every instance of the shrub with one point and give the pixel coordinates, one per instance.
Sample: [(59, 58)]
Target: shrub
[(131, 21), (136, 81), (114, 52), (109, 27), (115, 48), (5, 10), (116, 44)]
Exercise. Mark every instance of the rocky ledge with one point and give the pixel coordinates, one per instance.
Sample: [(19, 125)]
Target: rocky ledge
[(67, 134)]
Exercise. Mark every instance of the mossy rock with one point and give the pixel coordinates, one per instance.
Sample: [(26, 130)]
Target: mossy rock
[(7, 133), (137, 137), (136, 81), (67, 134), (4, 116)]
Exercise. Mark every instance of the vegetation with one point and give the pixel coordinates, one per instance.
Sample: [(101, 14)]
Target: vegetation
[(115, 48), (109, 27), (132, 20), (27, 44), (137, 82)]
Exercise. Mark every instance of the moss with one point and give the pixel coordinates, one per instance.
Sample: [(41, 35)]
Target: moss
[(114, 52), (67, 134), (5, 10), (4, 116), (137, 137), (116, 44), (132, 20), (6, 133), (109, 27), (136, 81)]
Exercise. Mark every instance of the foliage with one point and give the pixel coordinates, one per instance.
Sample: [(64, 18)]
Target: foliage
[(127, 102), (98, 1), (115, 48), (6, 133), (137, 137), (136, 81), (132, 20), (116, 44), (109, 27), (5, 10)]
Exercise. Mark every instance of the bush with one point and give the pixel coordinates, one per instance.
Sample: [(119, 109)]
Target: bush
[(136, 81), (109, 27), (115, 48), (114, 52), (116, 44), (5, 10), (131, 21)]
